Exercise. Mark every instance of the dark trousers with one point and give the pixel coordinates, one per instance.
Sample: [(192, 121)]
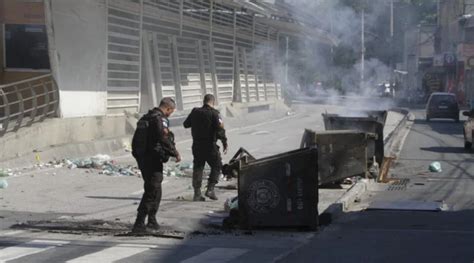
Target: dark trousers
[(206, 153), (152, 173)]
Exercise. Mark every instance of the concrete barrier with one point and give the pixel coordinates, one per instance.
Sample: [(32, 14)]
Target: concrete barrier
[(80, 137)]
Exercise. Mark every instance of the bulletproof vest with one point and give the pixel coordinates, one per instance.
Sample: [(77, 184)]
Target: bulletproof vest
[(203, 129), (144, 133)]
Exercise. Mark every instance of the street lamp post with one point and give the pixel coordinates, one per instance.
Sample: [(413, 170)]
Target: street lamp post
[(362, 62)]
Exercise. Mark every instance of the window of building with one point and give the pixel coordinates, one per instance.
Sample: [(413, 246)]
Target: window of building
[(26, 47)]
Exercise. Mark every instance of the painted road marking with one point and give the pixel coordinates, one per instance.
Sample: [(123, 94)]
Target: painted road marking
[(216, 255), (113, 253), (29, 248)]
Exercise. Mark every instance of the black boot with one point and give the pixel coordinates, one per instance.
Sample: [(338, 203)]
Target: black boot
[(210, 192), (198, 196), (139, 226), (152, 223)]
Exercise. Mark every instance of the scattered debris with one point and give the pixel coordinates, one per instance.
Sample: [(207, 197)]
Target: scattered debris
[(100, 162), (127, 146), (197, 233), (435, 167), (6, 172), (182, 169), (231, 203), (93, 227), (374, 169), (3, 184), (349, 181)]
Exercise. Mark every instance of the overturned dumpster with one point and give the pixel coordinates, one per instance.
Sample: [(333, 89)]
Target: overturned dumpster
[(278, 191), (369, 121), (341, 153)]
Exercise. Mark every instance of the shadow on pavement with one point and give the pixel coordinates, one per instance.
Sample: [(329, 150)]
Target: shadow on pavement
[(114, 197), (178, 199), (445, 149), (392, 236), (442, 126)]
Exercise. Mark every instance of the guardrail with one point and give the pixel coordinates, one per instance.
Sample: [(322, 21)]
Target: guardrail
[(28, 101)]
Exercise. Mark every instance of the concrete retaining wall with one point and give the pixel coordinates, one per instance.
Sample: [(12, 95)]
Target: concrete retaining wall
[(76, 137), (59, 138)]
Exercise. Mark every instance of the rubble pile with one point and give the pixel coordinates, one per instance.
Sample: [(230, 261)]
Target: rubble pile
[(103, 163), (182, 169)]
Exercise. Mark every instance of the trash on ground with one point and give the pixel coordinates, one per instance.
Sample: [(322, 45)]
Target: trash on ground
[(127, 146), (5, 173), (182, 169), (349, 181), (231, 203), (3, 184), (374, 169), (435, 167), (103, 163)]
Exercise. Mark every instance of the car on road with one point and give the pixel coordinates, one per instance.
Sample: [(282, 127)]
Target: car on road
[(468, 129), (442, 105)]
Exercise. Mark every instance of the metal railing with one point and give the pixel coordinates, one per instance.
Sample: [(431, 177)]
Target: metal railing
[(28, 101)]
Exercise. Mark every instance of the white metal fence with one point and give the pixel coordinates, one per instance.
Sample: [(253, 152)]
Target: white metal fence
[(184, 49), (25, 102)]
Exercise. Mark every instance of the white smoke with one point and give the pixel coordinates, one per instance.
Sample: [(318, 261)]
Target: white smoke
[(344, 23)]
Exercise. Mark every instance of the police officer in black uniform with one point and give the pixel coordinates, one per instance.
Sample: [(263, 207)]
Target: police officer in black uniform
[(206, 128), (158, 147)]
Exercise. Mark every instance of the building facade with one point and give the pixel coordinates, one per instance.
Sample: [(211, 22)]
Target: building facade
[(109, 57), (455, 43)]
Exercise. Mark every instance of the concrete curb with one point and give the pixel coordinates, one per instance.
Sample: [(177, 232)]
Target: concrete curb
[(338, 208), (390, 137)]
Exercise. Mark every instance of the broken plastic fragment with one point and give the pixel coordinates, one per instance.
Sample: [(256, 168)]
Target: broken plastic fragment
[(231, 203), (435, 167), (3, 173), (3, 184)]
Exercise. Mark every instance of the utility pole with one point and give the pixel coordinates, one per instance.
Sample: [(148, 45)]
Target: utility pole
[(391, 60), (333, 73), (362, 36), (391, 19), (438, 12), (286, 59)]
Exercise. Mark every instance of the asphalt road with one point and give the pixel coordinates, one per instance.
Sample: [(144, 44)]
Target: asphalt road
[(409, 236)]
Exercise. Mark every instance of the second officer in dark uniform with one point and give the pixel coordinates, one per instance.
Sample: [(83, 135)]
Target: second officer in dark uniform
[(206, 127)]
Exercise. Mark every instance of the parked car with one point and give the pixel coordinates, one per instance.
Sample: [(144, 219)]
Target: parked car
[(442, 105), (468, 129)]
